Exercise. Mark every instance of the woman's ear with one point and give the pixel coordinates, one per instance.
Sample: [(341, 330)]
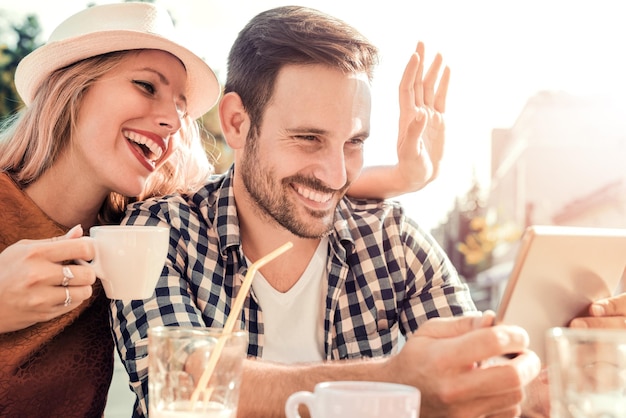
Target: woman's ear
[(234, 120)]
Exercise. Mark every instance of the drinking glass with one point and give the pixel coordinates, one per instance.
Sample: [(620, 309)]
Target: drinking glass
[(587, 373), (177, 359)]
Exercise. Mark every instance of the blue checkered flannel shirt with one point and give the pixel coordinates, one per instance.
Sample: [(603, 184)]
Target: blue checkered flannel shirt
[(386, 275)]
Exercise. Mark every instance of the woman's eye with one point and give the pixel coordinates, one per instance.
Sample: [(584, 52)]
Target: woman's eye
[(148, 87)]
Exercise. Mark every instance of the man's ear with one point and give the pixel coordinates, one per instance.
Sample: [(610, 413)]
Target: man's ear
[(234, 120)]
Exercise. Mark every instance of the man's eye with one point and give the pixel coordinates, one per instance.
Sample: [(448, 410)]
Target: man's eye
[(148, 87), (306, 137)]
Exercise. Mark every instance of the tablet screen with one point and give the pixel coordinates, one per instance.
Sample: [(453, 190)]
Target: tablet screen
[(558, 272)]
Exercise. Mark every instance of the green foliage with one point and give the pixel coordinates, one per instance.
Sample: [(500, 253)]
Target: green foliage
[(26, 34)]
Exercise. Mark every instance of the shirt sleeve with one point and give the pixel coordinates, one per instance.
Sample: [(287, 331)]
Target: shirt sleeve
[(171, 304), (434, 288)]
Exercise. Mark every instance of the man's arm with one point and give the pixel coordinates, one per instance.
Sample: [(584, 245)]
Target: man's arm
[(442, 359), (421, 133)]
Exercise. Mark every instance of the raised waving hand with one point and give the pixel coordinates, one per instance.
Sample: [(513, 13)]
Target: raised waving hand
[(421, 130), (421, 133)]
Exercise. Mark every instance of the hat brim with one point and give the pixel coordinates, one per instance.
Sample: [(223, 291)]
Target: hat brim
[(203, 89)]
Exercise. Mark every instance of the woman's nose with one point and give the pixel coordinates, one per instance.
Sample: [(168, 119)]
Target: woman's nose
[(169, 116)]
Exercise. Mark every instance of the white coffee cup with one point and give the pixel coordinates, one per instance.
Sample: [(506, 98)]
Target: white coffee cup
[(129, 259), (355, 399)]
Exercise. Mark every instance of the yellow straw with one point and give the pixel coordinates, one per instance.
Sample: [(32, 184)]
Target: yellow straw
[(233, 317)]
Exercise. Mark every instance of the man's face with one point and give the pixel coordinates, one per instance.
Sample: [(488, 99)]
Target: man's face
[(309, 148)]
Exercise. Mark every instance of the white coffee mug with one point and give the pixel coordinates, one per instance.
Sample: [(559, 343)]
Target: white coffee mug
[(129, 259), (355, 399)]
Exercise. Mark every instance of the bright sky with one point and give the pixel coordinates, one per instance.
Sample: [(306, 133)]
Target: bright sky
[(500, 52)]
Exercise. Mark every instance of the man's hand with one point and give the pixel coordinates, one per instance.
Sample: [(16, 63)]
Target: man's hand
[(447, 359)]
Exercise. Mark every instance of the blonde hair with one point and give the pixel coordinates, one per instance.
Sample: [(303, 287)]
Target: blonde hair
[(32, 140)]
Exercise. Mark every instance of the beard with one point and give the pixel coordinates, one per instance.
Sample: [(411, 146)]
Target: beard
[(270, 196)]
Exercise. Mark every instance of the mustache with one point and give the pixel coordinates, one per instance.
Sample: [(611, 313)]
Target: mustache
[(313, 184)]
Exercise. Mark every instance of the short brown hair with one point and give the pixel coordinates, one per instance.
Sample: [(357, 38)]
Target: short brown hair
[(291, 35)]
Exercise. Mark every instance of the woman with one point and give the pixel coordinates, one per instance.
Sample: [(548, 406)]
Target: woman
[(111, 102)]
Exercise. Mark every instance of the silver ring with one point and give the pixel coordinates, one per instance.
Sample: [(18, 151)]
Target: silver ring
[(67, 276), (68, 298)]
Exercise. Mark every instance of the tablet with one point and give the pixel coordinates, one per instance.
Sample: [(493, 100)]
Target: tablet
[(558, 272)]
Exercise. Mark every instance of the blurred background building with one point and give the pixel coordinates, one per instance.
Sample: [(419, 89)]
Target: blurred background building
[(561, 163)]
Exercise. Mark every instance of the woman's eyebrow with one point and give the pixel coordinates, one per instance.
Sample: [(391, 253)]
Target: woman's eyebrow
[(162, 78)]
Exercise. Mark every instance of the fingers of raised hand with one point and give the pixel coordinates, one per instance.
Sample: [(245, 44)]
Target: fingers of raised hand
[(411, 89), (428, 90), (409, 95), (419, 73), (442, 91), (430, 80)]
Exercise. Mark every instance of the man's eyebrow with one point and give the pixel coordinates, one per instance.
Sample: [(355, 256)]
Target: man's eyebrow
[(318, 131), (304, 129)]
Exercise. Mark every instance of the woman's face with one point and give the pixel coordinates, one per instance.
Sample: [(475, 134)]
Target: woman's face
[(127, 122)]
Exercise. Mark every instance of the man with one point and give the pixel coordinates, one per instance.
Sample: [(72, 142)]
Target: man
[(296, 111)]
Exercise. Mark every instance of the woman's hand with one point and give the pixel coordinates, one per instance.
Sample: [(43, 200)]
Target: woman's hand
[(421, 133), (604, 313), (37, 284)]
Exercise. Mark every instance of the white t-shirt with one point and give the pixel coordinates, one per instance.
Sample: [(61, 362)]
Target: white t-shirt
[(293, 321)]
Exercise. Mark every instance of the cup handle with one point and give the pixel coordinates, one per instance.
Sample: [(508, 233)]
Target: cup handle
[(94, 264), (295, 400)]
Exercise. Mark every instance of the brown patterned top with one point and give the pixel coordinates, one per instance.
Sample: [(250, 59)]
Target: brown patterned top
[(59, 368)]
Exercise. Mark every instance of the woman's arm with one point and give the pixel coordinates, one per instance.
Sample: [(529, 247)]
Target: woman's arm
[(421, 133)]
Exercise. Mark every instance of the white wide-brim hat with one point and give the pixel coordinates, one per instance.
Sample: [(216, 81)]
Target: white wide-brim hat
[(117, 27)]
